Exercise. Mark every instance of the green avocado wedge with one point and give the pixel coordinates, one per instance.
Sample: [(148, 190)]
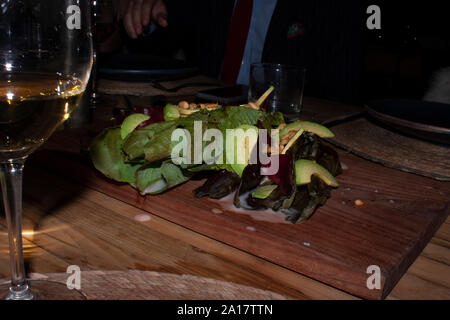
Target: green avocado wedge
[(304, 169), (131, 122), (239, 146), (264, 191), (308, 126), (171, 112)]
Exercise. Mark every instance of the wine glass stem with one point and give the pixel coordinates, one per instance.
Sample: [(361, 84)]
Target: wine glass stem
[(11, 173)]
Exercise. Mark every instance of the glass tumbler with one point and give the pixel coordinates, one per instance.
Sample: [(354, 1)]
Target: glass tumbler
[(288, 82)]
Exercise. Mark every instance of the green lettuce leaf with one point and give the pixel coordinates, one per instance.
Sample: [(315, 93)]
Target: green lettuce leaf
[(271, 120), (155, 178), (236, 116), (107, 157), (173, 174), (147, 175), (159, 146), (133, 146)]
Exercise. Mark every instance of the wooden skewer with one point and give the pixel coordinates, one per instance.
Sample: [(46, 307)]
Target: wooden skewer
[(264, 96), (291, 142)]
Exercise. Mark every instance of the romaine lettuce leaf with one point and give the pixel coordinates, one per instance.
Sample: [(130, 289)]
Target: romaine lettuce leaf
[(147, 175), (133, 146), (106, 154)]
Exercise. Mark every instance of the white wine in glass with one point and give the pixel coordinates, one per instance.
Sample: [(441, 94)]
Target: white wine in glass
[(45, 63)]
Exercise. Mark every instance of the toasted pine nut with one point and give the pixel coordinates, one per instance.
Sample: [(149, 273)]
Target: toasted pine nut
[(183, 105), (192, 106), (359, 203), (202, 106)]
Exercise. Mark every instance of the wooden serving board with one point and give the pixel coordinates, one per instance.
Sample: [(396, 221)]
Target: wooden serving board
[(401, 212)]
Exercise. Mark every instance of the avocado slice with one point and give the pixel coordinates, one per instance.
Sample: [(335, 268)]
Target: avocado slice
[(304, 169), (264, 191), (131, 122), (171, 112), (231, 147), (308, 126)]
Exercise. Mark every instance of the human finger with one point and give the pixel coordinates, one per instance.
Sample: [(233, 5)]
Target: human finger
[(159, 13), (128, 21), (137, 21), (146, 12)]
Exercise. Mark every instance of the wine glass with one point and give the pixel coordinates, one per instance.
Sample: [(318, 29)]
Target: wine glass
[(45, 63)]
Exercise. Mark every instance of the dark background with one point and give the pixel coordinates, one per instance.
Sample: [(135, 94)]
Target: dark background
[(412, 44), (397, 61)]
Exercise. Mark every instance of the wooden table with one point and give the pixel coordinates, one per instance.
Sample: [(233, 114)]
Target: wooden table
[(77, 225)]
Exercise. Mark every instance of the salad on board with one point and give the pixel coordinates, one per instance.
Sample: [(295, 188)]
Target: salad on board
[(140, 151)]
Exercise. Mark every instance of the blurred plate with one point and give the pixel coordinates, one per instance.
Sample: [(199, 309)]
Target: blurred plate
[(423, 119), (141, 67)]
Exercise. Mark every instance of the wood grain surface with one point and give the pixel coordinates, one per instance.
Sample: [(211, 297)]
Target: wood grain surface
[(73, 215), (67, 223), (151, 285), (401, 212)]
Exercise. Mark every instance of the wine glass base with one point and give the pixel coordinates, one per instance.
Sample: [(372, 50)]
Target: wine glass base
[(44, 290)]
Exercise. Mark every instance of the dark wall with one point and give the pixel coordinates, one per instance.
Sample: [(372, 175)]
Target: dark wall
[(413, 43), (345, 61)]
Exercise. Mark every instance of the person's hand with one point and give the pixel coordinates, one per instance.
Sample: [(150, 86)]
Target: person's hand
[(140, 13)]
